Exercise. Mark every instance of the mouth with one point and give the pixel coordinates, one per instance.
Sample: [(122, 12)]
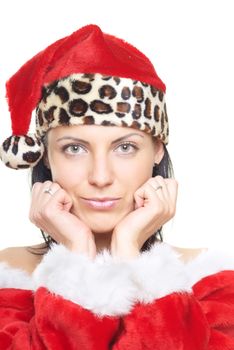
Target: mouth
[(104, 203)]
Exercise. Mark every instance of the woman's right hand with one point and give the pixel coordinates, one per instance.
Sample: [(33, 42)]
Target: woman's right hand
[(51, 213)]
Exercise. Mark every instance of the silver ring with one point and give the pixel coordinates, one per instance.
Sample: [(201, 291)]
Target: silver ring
[(48, 190), (158, 188)]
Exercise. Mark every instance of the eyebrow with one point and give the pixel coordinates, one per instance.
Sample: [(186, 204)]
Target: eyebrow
[(72, 138)]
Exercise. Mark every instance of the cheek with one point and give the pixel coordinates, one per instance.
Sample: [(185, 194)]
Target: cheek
[(135, 175), (66, 176)]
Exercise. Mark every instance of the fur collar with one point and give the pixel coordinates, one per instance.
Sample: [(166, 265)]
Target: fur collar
[(110, 286)]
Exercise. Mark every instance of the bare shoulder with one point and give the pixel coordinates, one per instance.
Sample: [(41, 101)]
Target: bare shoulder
[(24, 258), (188, 254)]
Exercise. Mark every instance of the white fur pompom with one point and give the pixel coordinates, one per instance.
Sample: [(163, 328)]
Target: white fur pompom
[(21, 151)]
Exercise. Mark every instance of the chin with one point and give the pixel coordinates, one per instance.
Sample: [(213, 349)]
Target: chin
[(101, 227), (102, 222), (97, 232)]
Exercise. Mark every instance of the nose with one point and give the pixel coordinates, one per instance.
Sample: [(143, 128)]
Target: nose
[(101, 173)]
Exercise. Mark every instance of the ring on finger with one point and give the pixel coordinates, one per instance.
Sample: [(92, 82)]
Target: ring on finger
[(159, 187), (49, 191)]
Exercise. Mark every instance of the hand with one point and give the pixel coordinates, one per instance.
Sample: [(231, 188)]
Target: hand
[(154, 206), (51, 213)]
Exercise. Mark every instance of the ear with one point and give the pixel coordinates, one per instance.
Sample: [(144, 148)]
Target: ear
[(159, 151)]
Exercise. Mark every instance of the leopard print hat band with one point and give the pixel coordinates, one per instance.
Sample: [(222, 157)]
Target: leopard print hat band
[(102, 100), (86, 98)]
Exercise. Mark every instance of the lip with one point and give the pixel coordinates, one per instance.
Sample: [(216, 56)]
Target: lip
[(101, 203)]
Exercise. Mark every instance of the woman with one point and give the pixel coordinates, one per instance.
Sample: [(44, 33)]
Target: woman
[(105, 281)]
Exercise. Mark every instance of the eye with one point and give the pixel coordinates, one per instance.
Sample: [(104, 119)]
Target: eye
[(126, 148), (73, 149)]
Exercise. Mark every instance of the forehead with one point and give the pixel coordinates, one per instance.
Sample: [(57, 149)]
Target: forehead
[(92, 132)]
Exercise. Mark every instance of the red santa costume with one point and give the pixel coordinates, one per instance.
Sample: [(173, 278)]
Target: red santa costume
[(154, 301)]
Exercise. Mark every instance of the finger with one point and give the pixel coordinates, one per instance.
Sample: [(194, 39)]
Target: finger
[(50, 187), (35, 193), (36, 188), (39, 197), (47, 184), (162, 182), (159, 186), (145, 195), (46, 212), (60, 199), (167, 193), (172, 187)]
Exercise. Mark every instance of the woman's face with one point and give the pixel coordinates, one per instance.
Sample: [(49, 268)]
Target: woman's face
[(101, 167)]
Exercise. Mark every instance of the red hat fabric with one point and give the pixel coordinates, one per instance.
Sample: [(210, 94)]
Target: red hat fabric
[(86, 51)]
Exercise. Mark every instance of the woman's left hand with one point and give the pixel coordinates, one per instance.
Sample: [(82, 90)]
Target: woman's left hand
[(155, 204)]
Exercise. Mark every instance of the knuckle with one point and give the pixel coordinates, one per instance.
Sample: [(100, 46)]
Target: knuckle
[(150, 181), (47, 183), (159, 177), (36, 185)]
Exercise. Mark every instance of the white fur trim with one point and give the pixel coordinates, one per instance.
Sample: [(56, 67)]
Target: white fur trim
[(103, 286), (109, 286), (14, 278), (159, 272), (208, 263)]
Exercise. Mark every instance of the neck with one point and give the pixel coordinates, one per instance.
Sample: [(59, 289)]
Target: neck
[(102, 241)]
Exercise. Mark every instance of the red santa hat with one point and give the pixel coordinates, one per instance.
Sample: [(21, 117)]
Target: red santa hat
[(88, 77)]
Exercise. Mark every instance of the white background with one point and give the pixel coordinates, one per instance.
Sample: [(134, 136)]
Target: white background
[(191, 46)]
